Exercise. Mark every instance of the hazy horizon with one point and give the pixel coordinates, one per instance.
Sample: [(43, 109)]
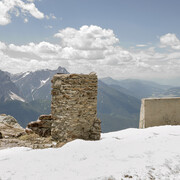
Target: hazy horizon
[(172, 81)]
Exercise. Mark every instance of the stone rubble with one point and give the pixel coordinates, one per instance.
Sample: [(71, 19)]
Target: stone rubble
[(13, 135), (42, 126), (73, 116)]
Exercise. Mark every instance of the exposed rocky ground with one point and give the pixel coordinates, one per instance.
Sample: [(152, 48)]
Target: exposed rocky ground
[(13, 135)]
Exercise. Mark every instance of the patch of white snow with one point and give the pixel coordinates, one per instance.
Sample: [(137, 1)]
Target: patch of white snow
[(42, 83), (23, 76), (152, 153), (14, 96)]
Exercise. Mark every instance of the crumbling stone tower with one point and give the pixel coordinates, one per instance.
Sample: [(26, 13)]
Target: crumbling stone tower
[(74, 107)]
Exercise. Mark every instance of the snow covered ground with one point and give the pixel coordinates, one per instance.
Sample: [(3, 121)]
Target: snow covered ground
[(152, 153)]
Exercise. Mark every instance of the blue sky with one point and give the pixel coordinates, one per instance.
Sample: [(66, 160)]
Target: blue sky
[(130, 38), (133, 21)]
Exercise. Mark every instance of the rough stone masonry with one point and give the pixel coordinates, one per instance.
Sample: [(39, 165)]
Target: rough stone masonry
[(74, 107), (159, 112)]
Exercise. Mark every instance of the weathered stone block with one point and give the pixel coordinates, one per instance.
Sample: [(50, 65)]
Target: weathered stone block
[(159, 111)]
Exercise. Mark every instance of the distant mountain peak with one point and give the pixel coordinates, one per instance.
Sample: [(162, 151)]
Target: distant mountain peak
[(8, 89), (37, 84), (62, 70)]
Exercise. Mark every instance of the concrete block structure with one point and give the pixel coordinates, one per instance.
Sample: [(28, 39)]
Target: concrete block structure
[(159, 111), (74, 107)]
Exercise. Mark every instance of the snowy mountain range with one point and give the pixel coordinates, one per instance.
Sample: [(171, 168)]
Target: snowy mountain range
[(35, 89), (36, 85), (8, 90), (27, 86), (28, 95)]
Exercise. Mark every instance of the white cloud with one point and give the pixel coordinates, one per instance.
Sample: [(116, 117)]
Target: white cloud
[(9, 6), (42, 50), (90, 48), (170, 40), (87, 38), (2, 46)]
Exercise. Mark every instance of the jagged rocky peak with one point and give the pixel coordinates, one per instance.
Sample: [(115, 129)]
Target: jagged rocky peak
[(36, 85), (40, 74), (62, 70), (8, 89)]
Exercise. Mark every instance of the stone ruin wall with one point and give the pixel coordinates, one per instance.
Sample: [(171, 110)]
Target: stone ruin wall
[(159, 111), (74, 107)]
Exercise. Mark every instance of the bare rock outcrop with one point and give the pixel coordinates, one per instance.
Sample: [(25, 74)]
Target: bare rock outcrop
[(13, 135), (42, 126), (9, 127)]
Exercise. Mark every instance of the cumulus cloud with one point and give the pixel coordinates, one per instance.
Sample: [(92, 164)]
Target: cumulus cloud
[(87, 38), (42, 50), (7, 7), (2, 46), (170, 40), (90, 48)]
